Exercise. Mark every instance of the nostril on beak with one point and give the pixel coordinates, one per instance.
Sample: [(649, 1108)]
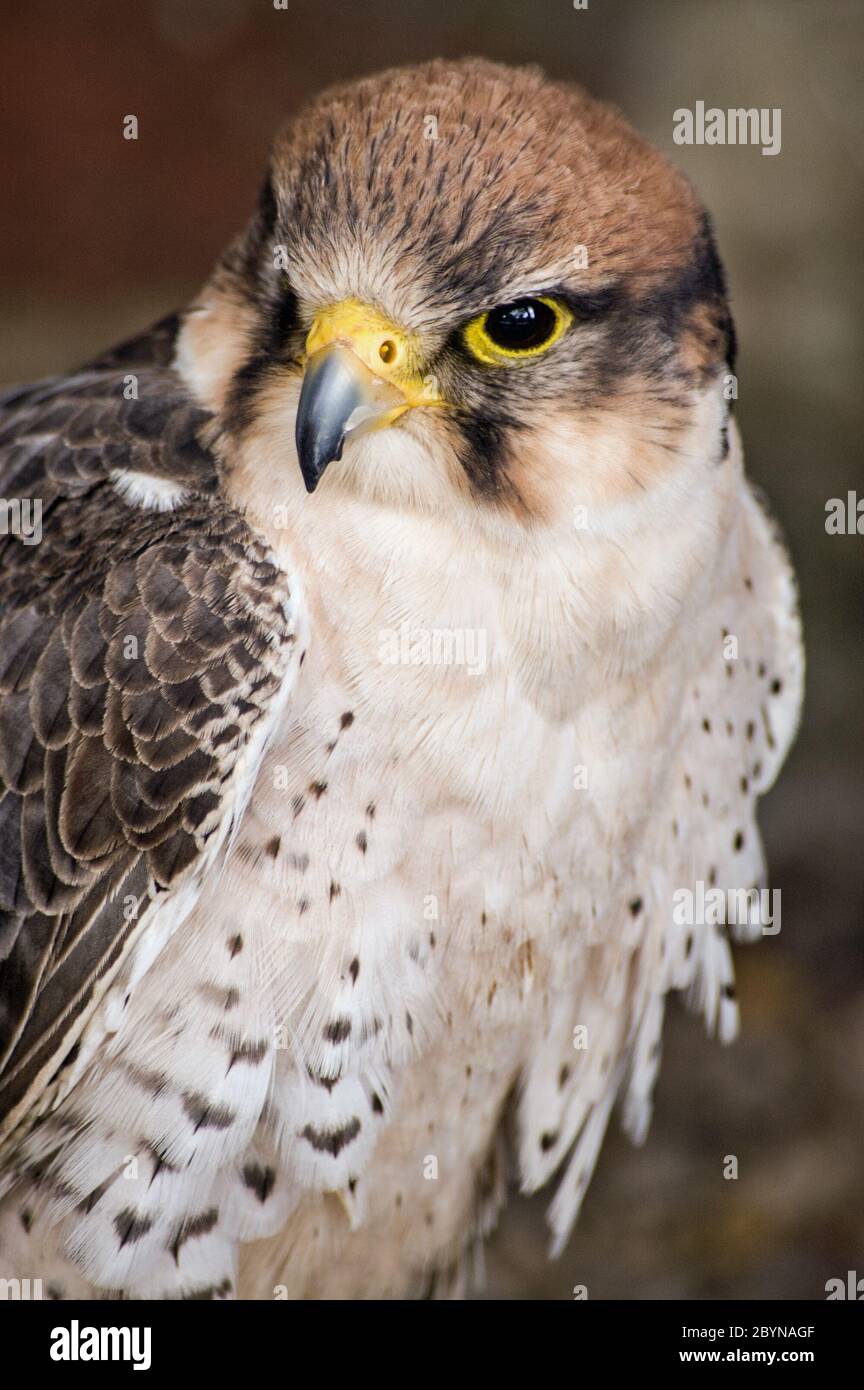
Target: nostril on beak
[(388, 351)]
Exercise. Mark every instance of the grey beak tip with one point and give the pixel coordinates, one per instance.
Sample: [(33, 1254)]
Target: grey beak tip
[(327, 399), (314, 458)]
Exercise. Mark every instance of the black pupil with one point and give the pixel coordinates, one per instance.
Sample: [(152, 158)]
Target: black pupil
[(526, 323)]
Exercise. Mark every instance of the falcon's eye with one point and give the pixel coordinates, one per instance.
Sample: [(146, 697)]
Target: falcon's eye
[(520, 330)]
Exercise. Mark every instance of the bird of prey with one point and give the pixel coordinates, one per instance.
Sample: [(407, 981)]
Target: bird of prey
[(402, 638)]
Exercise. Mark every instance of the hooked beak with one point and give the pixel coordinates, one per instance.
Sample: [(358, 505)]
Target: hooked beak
[(361, 374), (339, 396)]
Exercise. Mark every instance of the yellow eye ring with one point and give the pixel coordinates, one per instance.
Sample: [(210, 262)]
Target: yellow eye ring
[(518, 331)]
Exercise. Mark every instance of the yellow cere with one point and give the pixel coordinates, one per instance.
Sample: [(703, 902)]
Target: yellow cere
[(388, 351), (479, 342)]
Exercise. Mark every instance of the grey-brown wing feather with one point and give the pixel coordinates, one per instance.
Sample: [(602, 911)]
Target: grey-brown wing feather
[(139, 651)]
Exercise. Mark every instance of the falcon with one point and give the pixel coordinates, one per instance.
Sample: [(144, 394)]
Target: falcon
[(403, 639)]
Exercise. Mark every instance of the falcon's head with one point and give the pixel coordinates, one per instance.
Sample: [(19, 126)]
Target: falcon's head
[(467, 286)]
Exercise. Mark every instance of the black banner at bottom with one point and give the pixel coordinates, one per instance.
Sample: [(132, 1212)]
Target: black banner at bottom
[(68, 1339)]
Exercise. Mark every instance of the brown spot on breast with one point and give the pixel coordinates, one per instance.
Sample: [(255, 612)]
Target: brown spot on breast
[(131, 1225), (259, 1180), (204, 1115), (209, 1292), (332, 1141), (200, 1225), (338, 1030), (93, 1198), (252, 1053), (326, 1082)]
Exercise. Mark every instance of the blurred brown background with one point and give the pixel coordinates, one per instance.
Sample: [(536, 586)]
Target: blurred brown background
[(100, 234)]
